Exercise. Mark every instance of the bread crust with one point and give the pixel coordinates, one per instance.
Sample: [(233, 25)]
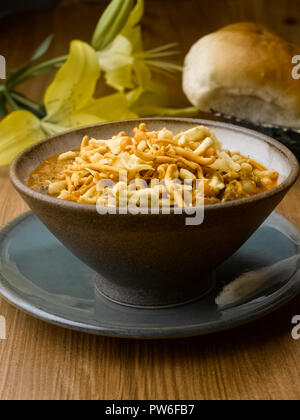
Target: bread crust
[(244, 70)]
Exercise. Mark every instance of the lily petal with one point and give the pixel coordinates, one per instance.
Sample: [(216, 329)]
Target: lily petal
[(74, 84), (18, 131), (117, 61), (120, 78), (117, 54), (122, 69), (134, 34), (136, 15), (110, 108), (143, 74), (154, 101), (80, 120)]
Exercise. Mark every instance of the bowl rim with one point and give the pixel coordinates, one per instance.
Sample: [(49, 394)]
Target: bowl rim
[(92, 208)]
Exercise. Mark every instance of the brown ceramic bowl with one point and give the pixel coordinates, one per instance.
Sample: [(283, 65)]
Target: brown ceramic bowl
[(156, 260)]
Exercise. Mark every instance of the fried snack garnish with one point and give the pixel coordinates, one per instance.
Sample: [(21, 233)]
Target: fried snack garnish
[(152, 164)]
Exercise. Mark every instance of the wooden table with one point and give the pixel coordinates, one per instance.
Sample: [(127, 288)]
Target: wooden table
[(40, 361)]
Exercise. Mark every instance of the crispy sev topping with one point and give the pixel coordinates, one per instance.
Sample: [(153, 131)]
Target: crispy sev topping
[(126, 167)]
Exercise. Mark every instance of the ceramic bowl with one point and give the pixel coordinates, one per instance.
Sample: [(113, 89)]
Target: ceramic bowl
[(156, 260)]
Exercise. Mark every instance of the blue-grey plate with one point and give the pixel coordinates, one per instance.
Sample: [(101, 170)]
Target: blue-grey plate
[(40, 276)]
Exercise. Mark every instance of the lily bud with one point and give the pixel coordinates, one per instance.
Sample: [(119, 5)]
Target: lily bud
[(111, 23)]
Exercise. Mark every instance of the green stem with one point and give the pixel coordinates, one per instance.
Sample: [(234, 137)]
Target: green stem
[(33, 106), (10, 100), (3, 109)]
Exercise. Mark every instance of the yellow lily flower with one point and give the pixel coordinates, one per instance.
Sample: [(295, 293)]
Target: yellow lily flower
[(128, 68), (69, 103), (120, 60)]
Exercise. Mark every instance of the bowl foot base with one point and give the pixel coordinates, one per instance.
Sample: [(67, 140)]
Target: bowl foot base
[(153, 299)]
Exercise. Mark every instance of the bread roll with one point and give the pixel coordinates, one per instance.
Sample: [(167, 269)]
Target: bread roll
[(244, 70)]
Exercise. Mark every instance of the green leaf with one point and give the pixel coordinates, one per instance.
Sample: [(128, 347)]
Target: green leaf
[(42, 49), (111, 23), (39, 52), (46, 66)]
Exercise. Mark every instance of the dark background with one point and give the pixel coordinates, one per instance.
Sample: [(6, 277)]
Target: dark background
[(8, 6)]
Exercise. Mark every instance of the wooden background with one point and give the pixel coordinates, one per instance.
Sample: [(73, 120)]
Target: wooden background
[(40, 361)]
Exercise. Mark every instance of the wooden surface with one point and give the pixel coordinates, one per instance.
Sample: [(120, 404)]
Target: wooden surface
[(40, 361)]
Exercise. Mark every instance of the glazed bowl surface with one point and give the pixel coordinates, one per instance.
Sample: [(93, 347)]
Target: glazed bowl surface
[(156, 259)]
